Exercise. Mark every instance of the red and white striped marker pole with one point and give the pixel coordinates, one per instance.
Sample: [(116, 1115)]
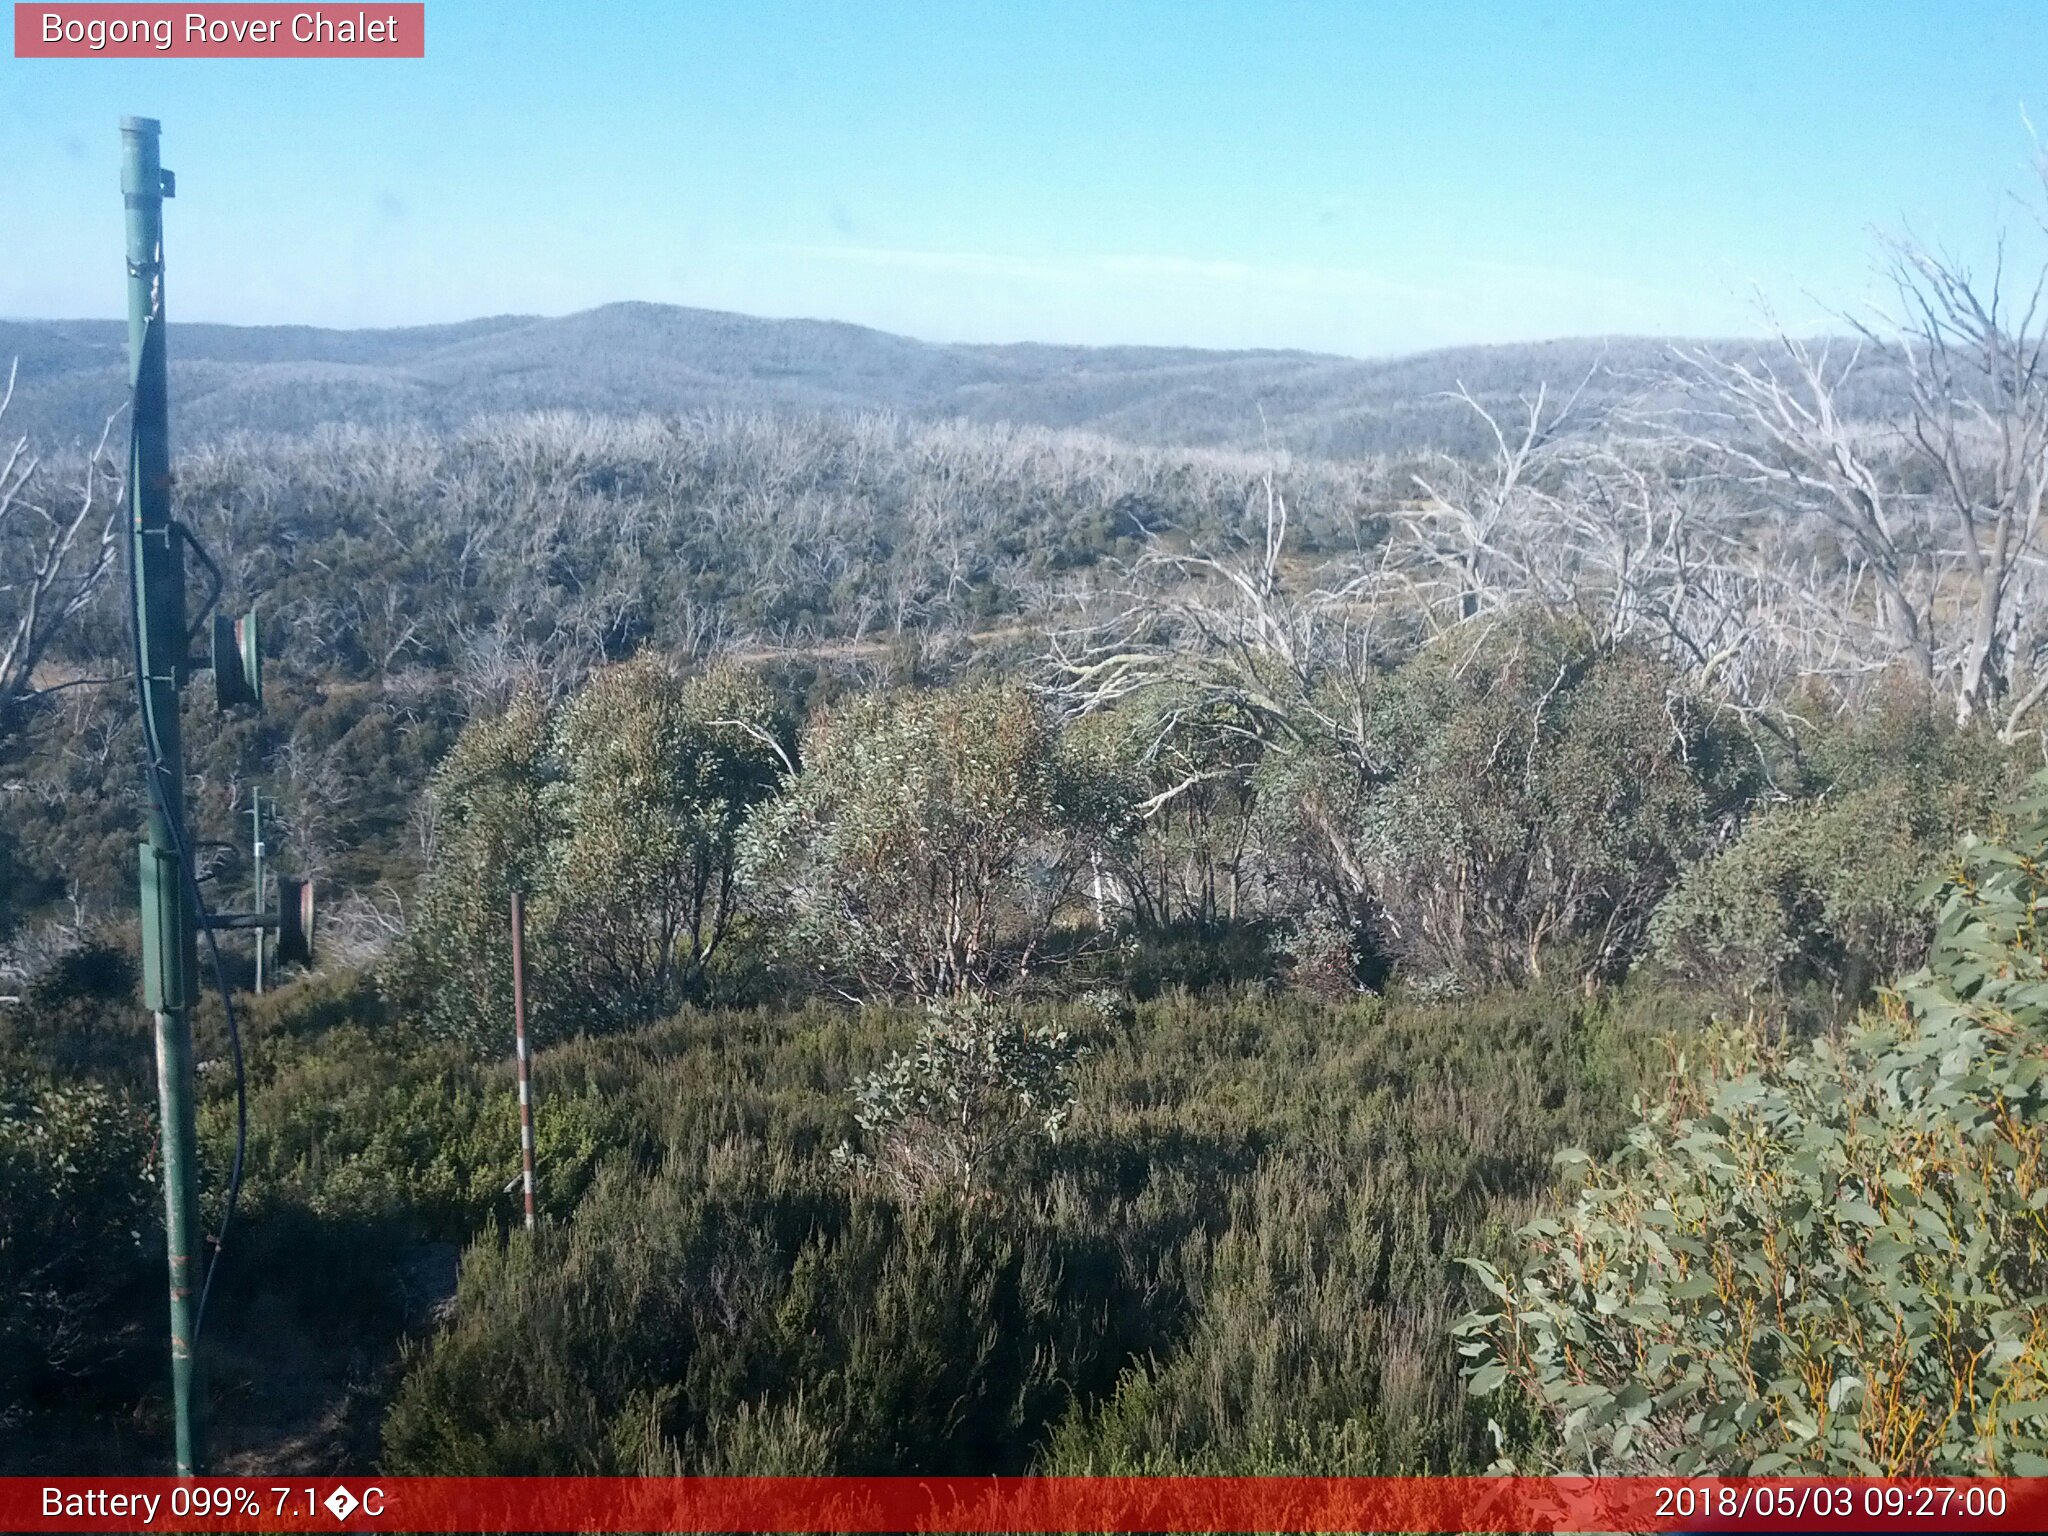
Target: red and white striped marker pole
[(519, 1044)]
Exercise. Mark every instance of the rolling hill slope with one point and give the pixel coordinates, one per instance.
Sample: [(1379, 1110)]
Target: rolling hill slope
[(633, 358)]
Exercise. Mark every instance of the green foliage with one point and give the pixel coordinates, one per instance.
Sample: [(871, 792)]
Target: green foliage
[(977, 1082), (1309, 1333), (1808, 892), (358, 1120), (1824, 889), (1312, 1344), (489, 799), (1536, 791), (730, 1319), (932, 841), (618, 816), (1232, 1255), (81, 1016), (1249, 1211), (77, 1197), (641, 883), (1195, 957), (1828, 1260), (341, 765), (1195, 861), (1321, 949)]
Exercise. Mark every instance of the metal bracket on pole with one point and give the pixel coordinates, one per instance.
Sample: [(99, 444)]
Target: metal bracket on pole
[(164, 978), (291, 920)]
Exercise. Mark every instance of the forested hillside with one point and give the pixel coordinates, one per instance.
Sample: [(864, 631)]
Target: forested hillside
[(626, 359), (1057, 950)]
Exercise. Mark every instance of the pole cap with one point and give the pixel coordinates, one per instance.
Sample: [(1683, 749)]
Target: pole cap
[(143, 125)]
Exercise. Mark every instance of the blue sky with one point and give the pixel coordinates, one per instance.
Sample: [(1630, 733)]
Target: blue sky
[(1364, 178)]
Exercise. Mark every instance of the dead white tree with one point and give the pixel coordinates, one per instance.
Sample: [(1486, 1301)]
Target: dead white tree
[(1600, 528), (1773, 424), (1937, 509), (1469, 539), (1980, 420), (53, 558), (1222, 626), (361, 926), (1647, 556), (1236, 643)]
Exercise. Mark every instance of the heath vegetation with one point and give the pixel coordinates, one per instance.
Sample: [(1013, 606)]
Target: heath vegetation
[(1051, 953)]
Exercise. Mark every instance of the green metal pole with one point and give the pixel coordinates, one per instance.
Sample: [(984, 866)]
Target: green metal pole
[(169, 952), (256, 840)]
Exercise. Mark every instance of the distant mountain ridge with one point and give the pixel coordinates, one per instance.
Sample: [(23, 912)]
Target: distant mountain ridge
[(633, 358)]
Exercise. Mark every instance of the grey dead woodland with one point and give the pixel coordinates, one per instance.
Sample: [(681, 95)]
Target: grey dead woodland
[(1069, 893)]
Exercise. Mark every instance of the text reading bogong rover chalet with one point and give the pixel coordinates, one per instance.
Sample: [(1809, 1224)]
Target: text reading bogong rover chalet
[(116, 31)]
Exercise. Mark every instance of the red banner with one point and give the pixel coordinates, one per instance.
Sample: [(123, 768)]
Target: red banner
[(1024, 1504), (361, 31)]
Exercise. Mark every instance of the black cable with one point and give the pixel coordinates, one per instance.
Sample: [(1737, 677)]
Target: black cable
[(159, 778)]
